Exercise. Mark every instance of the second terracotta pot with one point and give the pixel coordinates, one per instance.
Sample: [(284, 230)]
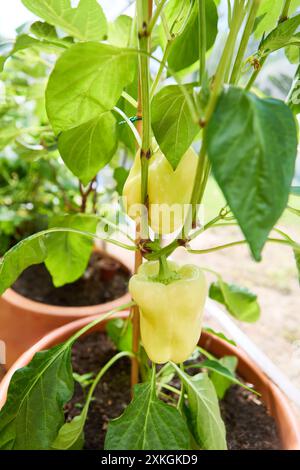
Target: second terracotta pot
[(274, 399), (23, 321)]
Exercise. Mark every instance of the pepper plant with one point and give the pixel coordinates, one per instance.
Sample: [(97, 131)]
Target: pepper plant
[(248, 142)]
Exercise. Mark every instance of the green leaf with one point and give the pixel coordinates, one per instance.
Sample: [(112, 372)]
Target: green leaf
[(220, 335), (120, 332), (87, 80), (89, 147), (252, 146), (292, 52), (268, 14), (239, 301), (87, 22), (172, 123), (147, 424), (222, 374), (185, 48), (69, 253), (33, 412), (119, 31), (30, 251), (203, 412), (120, 176), (280, 36), (47, 32), (70, 436), (125, 134)]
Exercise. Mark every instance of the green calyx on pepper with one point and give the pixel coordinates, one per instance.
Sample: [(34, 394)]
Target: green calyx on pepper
[(171, 300)]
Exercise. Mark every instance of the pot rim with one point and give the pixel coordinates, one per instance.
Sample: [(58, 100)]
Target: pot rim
[(24, 303), (272, 393)]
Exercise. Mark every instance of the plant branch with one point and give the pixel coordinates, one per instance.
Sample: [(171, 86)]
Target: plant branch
[(202, 41), (229, 245), (144, 13), (156, 15), (130, 124), (244, 42), (285, 11)]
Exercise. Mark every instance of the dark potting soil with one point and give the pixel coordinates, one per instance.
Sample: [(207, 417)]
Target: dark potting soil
[(248, 424), (104, 280)]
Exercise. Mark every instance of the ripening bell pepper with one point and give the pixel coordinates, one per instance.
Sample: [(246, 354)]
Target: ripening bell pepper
[(168, 190), (170, 312)]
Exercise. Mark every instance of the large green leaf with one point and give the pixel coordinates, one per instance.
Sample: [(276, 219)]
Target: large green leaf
[(33, 412), (280, 36), (89, 147), (239, 301), (269, 13), (172, 123), (30, 251), (86, 22), (87, 80), (119, 31), (252, 146), (203, 412), (147, 424), (48, 33), (69, 253), (185, 49)]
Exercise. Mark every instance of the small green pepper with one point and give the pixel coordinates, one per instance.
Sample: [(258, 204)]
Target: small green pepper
[(171, 309)]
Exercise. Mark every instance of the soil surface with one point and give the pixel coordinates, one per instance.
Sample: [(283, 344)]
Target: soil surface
[(247, 421), (104, 280)]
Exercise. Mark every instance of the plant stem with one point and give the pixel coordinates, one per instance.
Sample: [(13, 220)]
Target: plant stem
[(285, 11), (181, 397), (97, 321), (99, 376), (229, 245), (156, 15), (244, 42), (161, 67), (144, 13), (130, 124), (164, 271), (255, 73), (129, 98), (143, 7), (202, 41), (225, 59), (198, 177), (171, 389), (283, 17)]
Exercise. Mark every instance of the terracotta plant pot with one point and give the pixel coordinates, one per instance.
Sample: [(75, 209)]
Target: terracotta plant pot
[(274, 399), (23, 321)]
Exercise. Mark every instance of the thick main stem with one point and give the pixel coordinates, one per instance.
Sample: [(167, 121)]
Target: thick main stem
[(144, 13)]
